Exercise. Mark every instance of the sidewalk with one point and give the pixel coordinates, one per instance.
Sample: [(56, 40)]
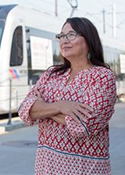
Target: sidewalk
[(16, 123)]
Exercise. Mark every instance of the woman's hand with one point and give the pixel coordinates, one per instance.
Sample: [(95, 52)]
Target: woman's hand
[(60, 118), (75, 110)]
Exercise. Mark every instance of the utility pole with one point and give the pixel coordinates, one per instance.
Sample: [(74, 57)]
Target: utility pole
[(10, 101), (113, 20), (103, 15), (56, 13)]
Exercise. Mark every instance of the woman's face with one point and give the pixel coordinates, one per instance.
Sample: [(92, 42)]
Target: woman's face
[(75, 48)]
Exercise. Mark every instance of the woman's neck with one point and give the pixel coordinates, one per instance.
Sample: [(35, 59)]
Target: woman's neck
[(78, 67)]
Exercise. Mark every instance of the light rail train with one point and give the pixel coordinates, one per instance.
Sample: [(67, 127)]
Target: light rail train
[(27, 47)]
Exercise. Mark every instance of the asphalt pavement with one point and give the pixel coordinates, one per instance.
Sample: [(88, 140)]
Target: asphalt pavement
[(18, 146), (117, 140)]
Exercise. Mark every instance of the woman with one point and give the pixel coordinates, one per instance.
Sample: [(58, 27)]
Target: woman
[(73, 103)]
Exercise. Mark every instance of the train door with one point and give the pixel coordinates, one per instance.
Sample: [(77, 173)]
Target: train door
[(18, 67)]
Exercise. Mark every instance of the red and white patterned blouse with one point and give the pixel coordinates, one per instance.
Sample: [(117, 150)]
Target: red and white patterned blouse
[(77, 148)]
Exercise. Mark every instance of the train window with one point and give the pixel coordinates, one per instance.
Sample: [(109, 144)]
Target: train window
[(35, 73), (16, 58)]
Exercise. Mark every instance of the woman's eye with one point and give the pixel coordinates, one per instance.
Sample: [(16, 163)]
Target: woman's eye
[(71, 34)]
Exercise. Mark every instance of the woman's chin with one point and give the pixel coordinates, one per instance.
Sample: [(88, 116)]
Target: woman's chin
[(67, 55)]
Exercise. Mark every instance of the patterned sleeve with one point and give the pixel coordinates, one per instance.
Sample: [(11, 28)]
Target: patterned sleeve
[(30, 98), (101, 96)]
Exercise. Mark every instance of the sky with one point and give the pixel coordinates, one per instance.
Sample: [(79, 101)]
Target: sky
[(97, 11)]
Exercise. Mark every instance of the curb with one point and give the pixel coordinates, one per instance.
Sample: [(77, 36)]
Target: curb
[(15, 124)]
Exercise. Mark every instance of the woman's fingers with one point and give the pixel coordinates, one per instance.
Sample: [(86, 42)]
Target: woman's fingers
[(86, 107), (81, 115), (75, 117), (83, 111), (77, 111)]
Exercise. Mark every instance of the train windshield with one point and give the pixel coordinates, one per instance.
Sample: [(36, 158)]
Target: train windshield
[(1, 29)]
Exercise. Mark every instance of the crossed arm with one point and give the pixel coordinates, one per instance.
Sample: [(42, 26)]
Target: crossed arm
[(58, 110)]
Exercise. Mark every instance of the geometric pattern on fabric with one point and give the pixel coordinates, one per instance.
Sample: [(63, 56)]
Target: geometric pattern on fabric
[(66, 164), (77, 148)]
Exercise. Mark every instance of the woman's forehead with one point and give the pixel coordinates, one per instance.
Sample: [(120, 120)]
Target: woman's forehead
[(67, 27)]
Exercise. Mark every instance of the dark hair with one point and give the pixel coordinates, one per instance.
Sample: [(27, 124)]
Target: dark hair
[(86, 29)]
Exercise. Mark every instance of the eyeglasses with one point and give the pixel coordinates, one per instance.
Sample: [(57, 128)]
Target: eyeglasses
[(69, 36)]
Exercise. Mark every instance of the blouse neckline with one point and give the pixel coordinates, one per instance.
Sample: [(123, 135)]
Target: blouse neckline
[(68, 73)]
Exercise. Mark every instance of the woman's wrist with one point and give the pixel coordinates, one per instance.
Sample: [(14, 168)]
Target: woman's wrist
[(58, 106), (41, 109)]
